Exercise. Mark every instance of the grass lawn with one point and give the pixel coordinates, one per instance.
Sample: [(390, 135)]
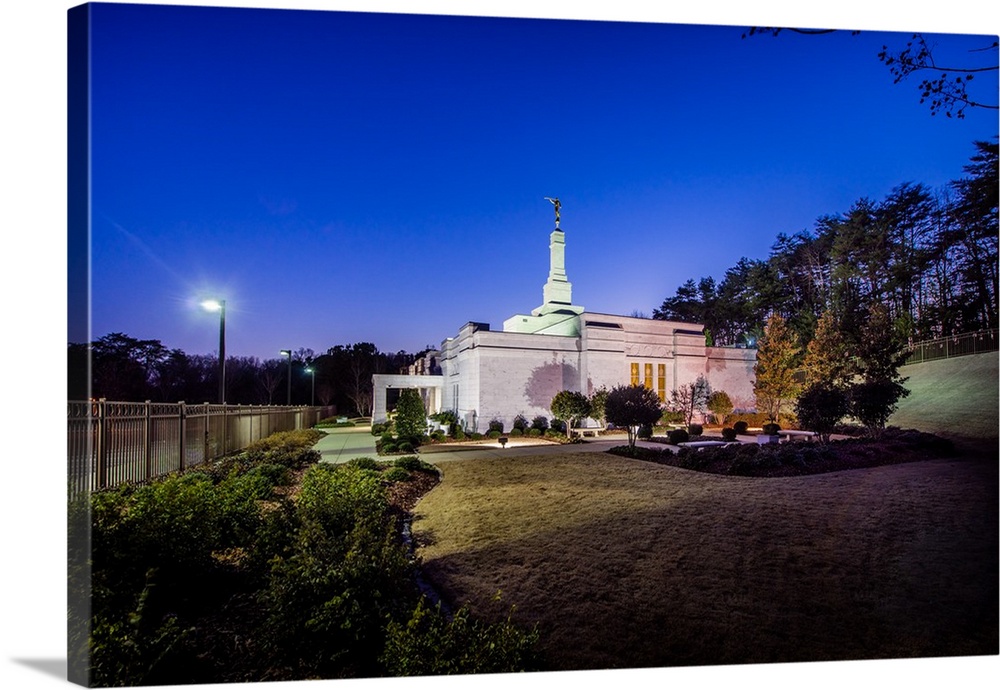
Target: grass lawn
[(624, 563)]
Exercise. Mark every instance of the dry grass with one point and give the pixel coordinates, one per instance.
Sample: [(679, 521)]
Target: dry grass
[(624, 563)]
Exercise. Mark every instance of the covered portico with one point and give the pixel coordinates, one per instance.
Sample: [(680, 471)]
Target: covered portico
[(430, 387)]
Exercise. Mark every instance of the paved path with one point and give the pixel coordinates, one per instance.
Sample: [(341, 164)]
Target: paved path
[(342, 444)]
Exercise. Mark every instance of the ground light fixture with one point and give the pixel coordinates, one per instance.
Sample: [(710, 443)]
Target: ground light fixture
[(288, 353), (219, 305)]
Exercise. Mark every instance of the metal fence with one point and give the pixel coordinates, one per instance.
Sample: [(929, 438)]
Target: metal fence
[(954, 346), (112, 443)]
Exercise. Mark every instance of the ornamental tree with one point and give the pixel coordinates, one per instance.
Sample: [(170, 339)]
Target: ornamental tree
[(880, 353), (777, 357), (691, 398), (631, 407), (411, 417), (720, 405), (821, 407), (570, 406), (826, 361)]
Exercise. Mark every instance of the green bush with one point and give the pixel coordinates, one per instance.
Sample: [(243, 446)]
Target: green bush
[(645, 431), (496, 425), (364, 463), (515, 433), (345, 574), (494, 434), (411, 417), (410, 462), (520, 423), (740, 427), (459, 435), (431, 643), (678, 436), (729, 434), (404, 447), (534, 432), (770, 429), (541, 423), (695, 429), (396, 474), (557, 425), (475, 436)]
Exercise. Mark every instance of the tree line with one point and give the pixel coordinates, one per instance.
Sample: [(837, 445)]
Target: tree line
[(929, 256), (122, 368)]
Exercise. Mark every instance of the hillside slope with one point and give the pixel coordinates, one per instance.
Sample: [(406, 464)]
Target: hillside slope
[(955, 396)]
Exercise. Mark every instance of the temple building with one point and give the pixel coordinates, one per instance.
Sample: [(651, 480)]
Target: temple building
[(484, 374)]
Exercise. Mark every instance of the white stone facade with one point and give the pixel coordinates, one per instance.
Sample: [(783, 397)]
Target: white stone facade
[(488, 374)]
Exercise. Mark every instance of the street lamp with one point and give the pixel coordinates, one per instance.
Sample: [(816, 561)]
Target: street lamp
[(219, 305), (288, 353), (312, 393)]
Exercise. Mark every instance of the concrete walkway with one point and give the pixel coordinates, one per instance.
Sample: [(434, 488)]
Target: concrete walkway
[(345, 443)]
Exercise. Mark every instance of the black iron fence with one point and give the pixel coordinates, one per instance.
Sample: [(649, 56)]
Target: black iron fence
[(953, 346), (112, 443)]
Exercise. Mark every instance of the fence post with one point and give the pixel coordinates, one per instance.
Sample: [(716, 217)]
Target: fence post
[(208, 423), (148, 438), (182, 418), (102, 444)]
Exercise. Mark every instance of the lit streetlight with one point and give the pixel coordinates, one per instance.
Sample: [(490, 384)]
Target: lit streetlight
[(219, 305), (312, 392), (288, 353)]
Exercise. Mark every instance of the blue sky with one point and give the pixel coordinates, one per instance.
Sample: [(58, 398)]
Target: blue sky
[(339, 177)]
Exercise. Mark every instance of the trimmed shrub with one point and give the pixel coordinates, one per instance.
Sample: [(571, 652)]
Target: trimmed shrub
[(520, 423), (396, 474), (534, 432), (540, 423), (695, 429), (678, 436), (404, 447), (363, 463), (645, 431), (729, 434), (516, 433), (496, 425), (459, 435), (740, 427), (494, 434), (771, 429), (557, 425), (409, 462)]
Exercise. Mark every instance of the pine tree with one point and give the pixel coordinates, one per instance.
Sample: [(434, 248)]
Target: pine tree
[(881, 352), (778, 355), (826, 361)]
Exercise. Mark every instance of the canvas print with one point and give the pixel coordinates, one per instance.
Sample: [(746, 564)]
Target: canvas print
[(411, 345)]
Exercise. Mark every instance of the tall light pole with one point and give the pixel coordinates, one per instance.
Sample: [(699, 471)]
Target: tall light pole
[(219, 305), (312, 393), (288, 353)]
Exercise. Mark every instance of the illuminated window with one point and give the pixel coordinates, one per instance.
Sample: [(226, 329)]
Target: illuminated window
[(661, 381), (635, 373), (648, 382)]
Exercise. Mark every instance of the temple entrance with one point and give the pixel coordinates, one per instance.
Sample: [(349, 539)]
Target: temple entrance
[(429, 387)]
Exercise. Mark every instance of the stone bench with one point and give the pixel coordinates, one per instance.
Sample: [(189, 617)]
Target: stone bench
[(702, 444), (789, 434), (586, 431)]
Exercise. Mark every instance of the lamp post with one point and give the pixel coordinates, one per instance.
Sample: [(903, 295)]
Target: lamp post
[(312, 390), (220, 306), (288, 353)]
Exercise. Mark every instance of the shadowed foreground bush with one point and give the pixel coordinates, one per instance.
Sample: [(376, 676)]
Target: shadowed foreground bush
[(215, 576)]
